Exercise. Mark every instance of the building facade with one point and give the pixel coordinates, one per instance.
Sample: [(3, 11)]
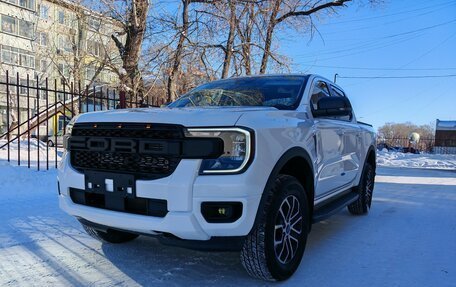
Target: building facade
[(67, 44)]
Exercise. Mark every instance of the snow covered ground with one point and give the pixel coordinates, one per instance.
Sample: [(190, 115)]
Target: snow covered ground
[(408, 239), (398, 159)]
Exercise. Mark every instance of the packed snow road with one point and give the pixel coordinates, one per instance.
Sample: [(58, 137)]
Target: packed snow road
[(408, 239)]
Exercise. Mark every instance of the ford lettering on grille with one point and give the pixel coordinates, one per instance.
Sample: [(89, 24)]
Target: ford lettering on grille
[(122, 145)]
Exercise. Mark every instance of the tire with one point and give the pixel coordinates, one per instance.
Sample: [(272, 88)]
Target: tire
[(283, 223), (365, 190), (50, 143), (110, 236)]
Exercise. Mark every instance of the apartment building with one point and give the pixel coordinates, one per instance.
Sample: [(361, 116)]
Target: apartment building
[(54, 39)]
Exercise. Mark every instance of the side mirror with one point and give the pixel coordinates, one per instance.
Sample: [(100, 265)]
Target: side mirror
[(333, 106)]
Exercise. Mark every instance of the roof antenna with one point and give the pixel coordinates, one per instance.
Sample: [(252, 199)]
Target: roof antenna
[(335, 77)]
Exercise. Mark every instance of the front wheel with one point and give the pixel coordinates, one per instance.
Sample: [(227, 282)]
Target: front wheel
[(275, 246), (365, 191)]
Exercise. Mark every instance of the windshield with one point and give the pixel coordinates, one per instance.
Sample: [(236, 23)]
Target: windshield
[(282, 92)]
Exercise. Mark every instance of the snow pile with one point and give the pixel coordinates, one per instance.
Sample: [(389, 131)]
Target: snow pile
[(38, 150), (399, 159), (24, 144)]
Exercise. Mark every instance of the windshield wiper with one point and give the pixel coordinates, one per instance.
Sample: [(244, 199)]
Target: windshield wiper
[(281, 107)]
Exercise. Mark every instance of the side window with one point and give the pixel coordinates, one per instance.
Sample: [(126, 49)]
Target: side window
[(319, 90), (336, 92)]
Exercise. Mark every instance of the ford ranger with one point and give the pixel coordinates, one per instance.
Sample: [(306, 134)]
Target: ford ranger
[(245, 164)]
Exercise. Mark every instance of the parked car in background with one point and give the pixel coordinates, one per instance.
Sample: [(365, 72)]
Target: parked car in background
[(53, 140), (382, 146)]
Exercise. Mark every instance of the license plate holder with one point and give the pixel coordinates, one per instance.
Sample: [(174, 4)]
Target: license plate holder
[(114, 186)]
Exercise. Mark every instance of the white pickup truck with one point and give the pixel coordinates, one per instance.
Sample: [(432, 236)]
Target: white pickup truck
[(243, 164)]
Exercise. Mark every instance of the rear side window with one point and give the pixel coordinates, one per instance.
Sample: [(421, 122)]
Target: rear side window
[(337, 92), (319, 90)]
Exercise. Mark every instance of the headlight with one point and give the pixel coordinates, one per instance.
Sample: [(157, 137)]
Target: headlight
[(237, 146), (69, 126), (68, 130)]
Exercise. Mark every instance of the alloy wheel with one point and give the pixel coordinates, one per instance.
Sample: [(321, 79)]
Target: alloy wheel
[(287, 230)]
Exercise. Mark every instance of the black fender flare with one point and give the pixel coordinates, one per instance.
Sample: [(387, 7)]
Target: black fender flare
[(373, 150), (283, 160), (366, 158)]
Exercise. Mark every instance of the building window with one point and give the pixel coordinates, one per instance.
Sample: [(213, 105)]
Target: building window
[(43, 66), (94, 48), (61, 17), (15, 56), (29, 4), (10, 55), (9, 24), (43, 39), (44, 12), (64, 70), (27, 60), (94, 24), (65, 44), (25, 29)]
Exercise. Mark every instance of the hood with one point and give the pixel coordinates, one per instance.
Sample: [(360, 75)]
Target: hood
[(189, 117)]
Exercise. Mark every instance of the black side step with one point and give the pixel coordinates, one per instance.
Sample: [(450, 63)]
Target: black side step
[(333, 206)]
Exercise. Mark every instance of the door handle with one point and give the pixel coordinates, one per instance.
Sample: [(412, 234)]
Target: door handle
[(340, 132)]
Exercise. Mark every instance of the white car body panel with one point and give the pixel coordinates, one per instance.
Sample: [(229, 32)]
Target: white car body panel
[(189, 117), (337, 150)]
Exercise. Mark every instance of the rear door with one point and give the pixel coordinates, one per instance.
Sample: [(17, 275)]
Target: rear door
[(329, 144), (350, 133)]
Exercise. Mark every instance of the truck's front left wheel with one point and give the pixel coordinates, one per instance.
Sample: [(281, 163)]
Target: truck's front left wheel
[(275, 246), (110, 236)]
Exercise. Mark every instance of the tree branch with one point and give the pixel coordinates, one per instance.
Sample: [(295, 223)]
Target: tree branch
[(314, 9)]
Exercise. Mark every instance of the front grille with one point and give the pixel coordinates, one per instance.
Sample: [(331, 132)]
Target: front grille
[(152, 164), (124, 162), (128, 130)]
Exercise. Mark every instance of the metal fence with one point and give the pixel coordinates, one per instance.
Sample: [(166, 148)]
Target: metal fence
[(34, 113), (423, 145)]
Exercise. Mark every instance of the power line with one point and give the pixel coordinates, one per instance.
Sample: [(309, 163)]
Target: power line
[(376, 43), (392, 21), (415, 59), (397, 77), (421, 29), (383, 69), (388, 15)]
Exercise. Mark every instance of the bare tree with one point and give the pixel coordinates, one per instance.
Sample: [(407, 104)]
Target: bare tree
[(279, 11), (245, 29), (134, 28)]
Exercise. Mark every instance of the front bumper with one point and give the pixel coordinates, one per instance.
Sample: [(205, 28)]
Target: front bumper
[(184, 192)]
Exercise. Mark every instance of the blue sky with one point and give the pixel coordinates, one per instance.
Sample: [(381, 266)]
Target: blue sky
[(396, 38)]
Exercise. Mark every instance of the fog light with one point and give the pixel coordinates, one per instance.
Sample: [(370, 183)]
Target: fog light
[(221, 212)]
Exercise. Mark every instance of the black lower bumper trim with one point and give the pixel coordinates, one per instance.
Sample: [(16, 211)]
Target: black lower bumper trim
[(231, 243), (135, 205)]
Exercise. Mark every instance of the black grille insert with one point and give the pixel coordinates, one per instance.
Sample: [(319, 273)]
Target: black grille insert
[(142, 165), (153, 160), (137, 205), (129, 130)]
